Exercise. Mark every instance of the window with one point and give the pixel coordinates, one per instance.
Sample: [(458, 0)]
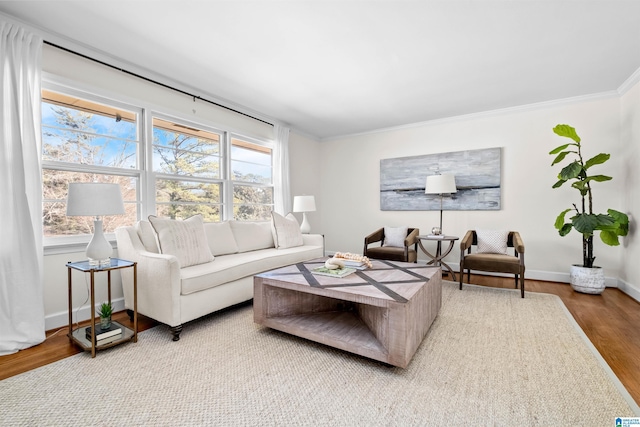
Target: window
[(251, 176), (187, 167), (164, 165), (87, 140)]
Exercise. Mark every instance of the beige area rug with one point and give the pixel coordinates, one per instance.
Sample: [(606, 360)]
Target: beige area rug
[(490, 358)]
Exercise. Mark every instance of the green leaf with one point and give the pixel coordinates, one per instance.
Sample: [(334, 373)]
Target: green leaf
[(559, 183), (619, 217), (571, 171), (585, 223), (559, 149), (596, 160), (610, 238), (565, 229), (560, 157), (566, 131), (598, 178), (560, 219)]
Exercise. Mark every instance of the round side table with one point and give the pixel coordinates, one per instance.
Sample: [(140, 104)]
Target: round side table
[(437, 258)]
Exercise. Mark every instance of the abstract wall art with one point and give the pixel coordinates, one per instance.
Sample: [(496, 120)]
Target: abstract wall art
[(477, 173)]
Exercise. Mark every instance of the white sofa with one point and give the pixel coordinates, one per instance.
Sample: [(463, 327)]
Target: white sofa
[(174, 294)]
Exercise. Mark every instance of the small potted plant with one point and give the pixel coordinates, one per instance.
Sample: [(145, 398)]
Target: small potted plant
[(105, 315), (587, 277)]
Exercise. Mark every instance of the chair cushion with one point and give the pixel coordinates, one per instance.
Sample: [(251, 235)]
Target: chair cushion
[(186, 240), (391, 253), (492, 262), (394, 236), (492, 241), (286, 231)]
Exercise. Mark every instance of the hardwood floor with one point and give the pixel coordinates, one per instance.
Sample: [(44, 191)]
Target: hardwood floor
[(611, 321)]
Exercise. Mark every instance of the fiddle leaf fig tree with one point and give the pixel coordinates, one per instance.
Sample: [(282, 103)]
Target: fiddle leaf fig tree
[(611, 225)]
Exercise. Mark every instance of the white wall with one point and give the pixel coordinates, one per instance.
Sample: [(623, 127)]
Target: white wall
[(305, 175), (351, 166), (630, 123)]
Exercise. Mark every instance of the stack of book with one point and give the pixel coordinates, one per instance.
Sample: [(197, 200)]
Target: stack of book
[(338, 272), (351, 263), (105, 336)]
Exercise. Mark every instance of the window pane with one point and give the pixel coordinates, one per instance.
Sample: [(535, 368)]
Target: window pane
[(178, 211), (252, 203), (178, 162), (250, 173), (182, 150), (251, 212), (250, 162), (182, 199), (84, 132), (55, 185)]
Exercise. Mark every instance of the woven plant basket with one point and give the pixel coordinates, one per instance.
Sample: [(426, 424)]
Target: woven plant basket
[(587, 280)]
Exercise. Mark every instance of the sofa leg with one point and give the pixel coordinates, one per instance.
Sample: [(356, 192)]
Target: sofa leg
[(130, 314), (175, 331)]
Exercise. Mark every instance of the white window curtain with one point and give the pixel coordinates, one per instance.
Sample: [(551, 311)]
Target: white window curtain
[(282, 196), (21, 285)]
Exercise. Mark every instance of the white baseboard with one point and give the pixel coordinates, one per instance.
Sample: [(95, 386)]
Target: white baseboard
[(60, 319), (629, 289)]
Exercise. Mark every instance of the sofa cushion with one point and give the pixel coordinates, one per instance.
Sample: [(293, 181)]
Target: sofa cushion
[(252, 235), (220, 238), (148, 236), (186, 240), (227, 268), (286, 231), (394, 236), (492, 241)]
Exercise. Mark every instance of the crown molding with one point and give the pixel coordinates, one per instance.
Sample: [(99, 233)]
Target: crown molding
[(489, 113), (630, 82)]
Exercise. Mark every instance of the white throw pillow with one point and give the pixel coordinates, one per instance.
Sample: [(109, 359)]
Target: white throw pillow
[(492, 241), (220, 238), (252, 235), (286, 231), (186, 240), (394, 236)]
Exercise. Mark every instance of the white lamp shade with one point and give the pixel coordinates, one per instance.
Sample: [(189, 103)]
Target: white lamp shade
[(440, 184), (304, 204), (94, 199)]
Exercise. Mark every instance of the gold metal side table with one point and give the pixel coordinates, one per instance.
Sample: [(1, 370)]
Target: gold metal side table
[(437, 258), (77, 335)]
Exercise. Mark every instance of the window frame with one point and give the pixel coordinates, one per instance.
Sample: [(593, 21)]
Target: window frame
[(143, 172), (231, 183)]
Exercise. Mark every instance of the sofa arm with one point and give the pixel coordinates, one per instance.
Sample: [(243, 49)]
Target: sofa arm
[(158, 279), (313, 240)]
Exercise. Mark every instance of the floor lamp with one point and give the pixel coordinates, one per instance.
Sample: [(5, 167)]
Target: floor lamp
[(440, 184)]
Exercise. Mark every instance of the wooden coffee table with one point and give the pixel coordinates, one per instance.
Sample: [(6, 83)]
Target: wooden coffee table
[(382, 313)]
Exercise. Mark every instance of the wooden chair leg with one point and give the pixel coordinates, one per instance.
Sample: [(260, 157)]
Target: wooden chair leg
[(516, 276)]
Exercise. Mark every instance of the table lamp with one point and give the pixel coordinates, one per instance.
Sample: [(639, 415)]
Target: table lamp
[(304, 204), (440, 184), (97, 200)]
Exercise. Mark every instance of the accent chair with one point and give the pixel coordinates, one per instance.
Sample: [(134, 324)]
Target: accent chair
[(405, 250), (491, 254)]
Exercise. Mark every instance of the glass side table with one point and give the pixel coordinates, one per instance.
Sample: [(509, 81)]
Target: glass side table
[(78, 335), (437, 258)]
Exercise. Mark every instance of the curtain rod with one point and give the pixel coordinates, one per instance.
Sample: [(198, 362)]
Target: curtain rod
[(154, 81)]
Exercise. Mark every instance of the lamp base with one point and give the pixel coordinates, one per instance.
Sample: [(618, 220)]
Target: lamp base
[(99, 250), (305, 227)]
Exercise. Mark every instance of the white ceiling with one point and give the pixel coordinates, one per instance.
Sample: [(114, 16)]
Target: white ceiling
[(331, 68)]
